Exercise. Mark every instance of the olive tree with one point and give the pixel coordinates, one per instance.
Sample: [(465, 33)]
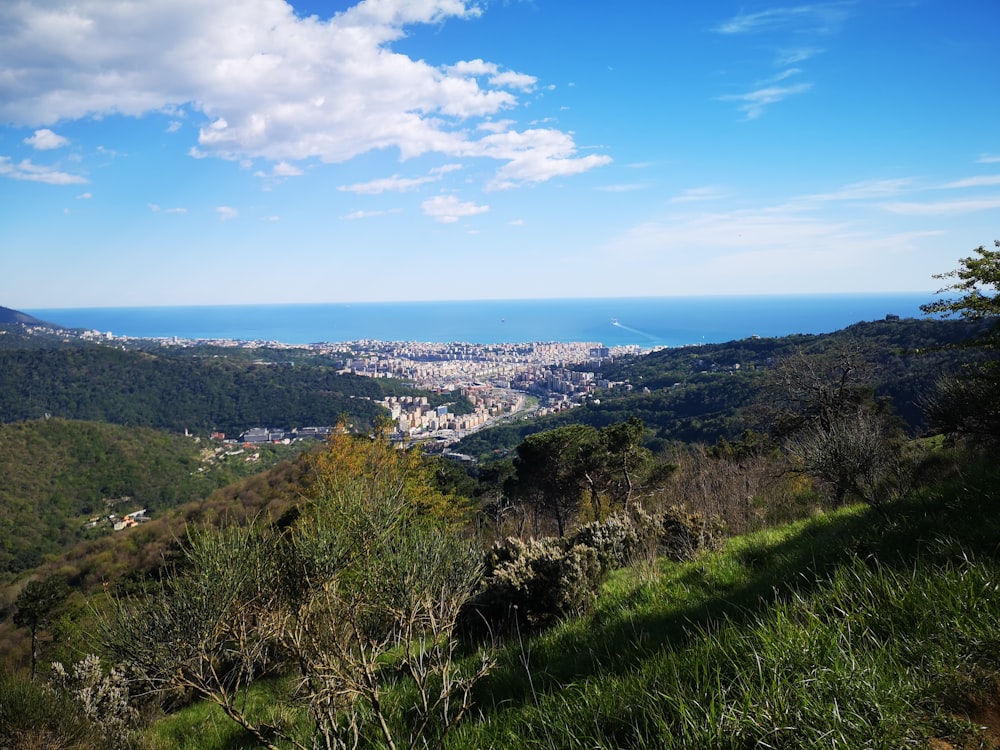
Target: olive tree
[(356, 597)]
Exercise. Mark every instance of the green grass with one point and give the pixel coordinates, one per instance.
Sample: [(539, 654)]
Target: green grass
[(839, 631)]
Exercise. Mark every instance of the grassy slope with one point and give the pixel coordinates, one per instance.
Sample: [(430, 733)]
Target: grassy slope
[(840, 631)]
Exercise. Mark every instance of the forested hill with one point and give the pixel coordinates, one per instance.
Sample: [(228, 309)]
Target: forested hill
[(702, 393), (58, 474), (165, 391)]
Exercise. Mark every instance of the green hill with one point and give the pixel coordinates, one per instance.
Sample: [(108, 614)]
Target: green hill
[(702, 393), (58, 475)]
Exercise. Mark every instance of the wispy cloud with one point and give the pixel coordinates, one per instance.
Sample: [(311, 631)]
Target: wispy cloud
[(752, 103), (623, 188), (226, 213), (692, 195), (387, 184), (27, 171), (865, 190), (448, 209), (969, 182), (943, 208), (988, 159), (355, 215), (814, 17), (802, 25), (45, 139)]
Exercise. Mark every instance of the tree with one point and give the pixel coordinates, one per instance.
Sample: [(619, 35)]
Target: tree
[(832, 425), (36, 607), (555, 468), (970, 404), (979, 286)]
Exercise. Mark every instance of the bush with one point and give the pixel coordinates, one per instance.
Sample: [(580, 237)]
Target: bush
[(531, 584), (35, 717)]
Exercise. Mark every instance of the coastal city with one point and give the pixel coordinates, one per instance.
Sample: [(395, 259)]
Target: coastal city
[(499, 380)]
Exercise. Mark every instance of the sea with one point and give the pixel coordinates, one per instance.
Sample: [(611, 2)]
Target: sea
[(647, 322)]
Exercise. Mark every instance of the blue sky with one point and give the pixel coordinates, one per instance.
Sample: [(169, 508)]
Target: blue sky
[(160, 152)]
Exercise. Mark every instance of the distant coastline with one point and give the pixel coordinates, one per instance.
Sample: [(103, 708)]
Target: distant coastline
[(646, 322)]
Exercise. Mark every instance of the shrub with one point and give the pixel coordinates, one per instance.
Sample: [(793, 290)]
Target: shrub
[(35, 717), (531, 584)]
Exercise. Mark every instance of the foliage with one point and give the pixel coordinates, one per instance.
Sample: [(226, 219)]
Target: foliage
[(529, 585), (58, 474), (36, 607), (978, 283), (182, 392), (556, 469), (355, 593), (35, 717), (968, 404), (103, 698), (838, 631)]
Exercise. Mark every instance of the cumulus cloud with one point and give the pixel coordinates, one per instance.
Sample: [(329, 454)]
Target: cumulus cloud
[(449, 209), (268, 84), (27, 171), (45, 139)]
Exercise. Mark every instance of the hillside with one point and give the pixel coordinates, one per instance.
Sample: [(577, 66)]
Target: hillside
[(178, 393), (7, 316), (59, 475), (702, 393)]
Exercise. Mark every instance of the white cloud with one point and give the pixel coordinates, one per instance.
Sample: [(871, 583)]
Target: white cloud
[(384, 184), (449, 209), (812, 17), (226, 213), (28, 172), (84, 196), (355, 215), (514, 80), (284, 169), (988, 159), (980, 181), (267, 83), (753, 102), (865, 190), (532, 156), (943, 208), (622, 188), (692, 195), (45, 139), (174, 126)]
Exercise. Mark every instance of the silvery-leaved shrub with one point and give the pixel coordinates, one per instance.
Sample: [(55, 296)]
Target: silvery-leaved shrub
[(531, 584), (103, 697)]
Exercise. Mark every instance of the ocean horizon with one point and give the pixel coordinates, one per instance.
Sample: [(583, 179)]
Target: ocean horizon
[(637, 321)]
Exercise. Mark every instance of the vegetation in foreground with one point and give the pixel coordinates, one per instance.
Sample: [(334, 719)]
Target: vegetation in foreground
[(837, 631)]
